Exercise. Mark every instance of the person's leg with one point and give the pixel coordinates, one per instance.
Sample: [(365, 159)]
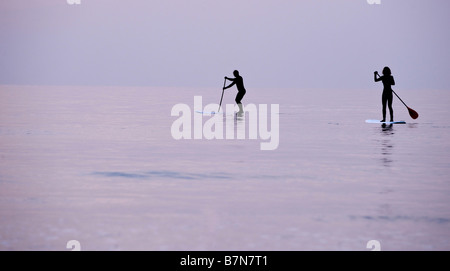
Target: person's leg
[(391, 110), (238, 99), (241, 110), (383, 102)]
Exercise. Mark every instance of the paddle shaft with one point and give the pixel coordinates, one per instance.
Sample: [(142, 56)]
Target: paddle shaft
[(223, 89), (399, 98), (395, 94), (411, 111)]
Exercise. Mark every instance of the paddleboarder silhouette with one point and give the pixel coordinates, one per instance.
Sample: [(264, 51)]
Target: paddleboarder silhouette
[(239, 82), (386, 98)]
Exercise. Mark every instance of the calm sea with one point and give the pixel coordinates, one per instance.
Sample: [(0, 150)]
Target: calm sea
[(100, 165)]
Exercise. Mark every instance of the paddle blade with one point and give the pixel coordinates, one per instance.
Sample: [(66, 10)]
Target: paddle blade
[(413, 113)]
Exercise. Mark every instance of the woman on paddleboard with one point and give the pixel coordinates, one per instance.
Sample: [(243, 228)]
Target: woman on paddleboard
[(239, 82), (386, 98)]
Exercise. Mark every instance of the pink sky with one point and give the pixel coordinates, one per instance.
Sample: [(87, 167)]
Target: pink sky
[(301, 44)]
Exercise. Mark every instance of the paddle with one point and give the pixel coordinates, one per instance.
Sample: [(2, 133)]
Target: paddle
[(411, 111), (223, 89)]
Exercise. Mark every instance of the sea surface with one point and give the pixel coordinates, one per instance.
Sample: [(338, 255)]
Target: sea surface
[(100, 165)]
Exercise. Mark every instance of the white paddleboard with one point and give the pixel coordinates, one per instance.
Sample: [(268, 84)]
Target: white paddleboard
[(386, 122), (209, 113), (206, 113)]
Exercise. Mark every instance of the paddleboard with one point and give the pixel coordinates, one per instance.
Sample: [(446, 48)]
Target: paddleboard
[(206, 113), (209, 113), (386, 122)]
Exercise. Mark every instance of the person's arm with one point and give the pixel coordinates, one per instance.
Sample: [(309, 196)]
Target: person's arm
[(375, 78), (232, 84), (393, 81)]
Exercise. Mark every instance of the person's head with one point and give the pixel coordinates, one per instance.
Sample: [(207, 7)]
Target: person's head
[(387, 71), (236, 73)]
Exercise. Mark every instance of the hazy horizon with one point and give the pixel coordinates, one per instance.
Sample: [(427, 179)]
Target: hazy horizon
[(94, 97), (298, 44)]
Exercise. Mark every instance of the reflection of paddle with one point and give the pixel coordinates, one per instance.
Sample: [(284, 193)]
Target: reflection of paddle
[(411, 111)]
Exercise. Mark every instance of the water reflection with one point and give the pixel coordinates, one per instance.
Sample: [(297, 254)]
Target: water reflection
[(387, 132), (236, 128), (239, 122)]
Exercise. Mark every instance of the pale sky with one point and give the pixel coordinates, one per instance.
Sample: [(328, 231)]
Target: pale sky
[(331, 44)]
